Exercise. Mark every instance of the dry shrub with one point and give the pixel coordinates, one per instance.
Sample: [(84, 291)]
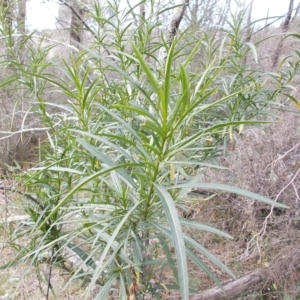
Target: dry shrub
[(265, 162), (288, 260)]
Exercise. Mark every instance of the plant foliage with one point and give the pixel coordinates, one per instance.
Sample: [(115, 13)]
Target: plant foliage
[(127, 139)]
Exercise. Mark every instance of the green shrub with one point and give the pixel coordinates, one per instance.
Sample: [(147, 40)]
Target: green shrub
[(125, 144)]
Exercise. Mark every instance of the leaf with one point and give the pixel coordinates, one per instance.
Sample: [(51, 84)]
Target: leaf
[(59, 169), (177, 239), (194, 162), (165, 230), (230, 189), (82, 254), (84, 181), (168, 254), (193, 52), (104, 290), (253, 50), (207, 228), (139, 144), (138, 109), (152, 80), (106, 141), (183, 144), (168, 72), (105, 159), (110, 240), (203, 266), (293, 99)]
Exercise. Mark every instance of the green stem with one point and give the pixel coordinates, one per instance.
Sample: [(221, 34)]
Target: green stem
[(154, 179)]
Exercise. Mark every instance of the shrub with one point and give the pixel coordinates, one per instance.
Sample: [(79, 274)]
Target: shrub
[(125, 144)]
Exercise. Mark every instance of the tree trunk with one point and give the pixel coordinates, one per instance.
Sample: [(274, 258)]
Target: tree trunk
[(249, 20), (142, 13), (21, 17), (172, 28), (284, 28), (296, 14), (76, 24)]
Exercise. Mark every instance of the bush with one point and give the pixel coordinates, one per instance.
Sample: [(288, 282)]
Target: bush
[(126, 142)]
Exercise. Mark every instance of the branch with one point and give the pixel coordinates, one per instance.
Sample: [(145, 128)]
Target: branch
[(256, 280), (85, 24), (4, 188)]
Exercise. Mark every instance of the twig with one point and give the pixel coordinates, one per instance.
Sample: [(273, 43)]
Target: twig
[(49, 285), (132, 13), (262, 231), (25, 195), (296, 192), (283, 156), (6, 214), (85, 25)]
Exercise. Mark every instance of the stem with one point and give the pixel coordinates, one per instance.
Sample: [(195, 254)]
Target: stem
[(49, 285), (154, 178)]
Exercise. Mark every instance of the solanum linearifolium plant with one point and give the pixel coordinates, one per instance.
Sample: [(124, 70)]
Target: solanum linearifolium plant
[(116, 160)]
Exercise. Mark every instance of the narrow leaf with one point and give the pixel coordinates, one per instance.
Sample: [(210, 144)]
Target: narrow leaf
[(177, 238), (230, 189)]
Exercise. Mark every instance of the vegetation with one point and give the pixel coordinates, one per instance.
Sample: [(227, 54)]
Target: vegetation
[(124, 137)]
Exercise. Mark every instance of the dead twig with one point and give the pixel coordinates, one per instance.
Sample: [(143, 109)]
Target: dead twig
[(262, 232)]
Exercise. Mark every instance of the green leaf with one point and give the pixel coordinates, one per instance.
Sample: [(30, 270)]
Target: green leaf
[(207, 228), (168, 254), (293, 99), (105, 159), (208, 254), (57, 169), (230, 189), (104, 290), (203, 266), (82, 254), (193, 52), (166, 231), (177, 239), (110, 241), (185, 86), (138, 109), (77, 188), (253, 50), (153, 81), (165, 100), (139, 143)]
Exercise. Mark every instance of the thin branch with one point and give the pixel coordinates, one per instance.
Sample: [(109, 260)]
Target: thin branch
[(285, 26), (49, 284), (262, 231), (283, 156), (79, 17), (85, 25), (23, 194), (132, 13)]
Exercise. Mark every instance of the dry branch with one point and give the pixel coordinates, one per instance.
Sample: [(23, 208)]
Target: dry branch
[(285, 27), (256, 280)]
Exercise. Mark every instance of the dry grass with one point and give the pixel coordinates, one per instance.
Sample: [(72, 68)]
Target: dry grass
[(266, 162)]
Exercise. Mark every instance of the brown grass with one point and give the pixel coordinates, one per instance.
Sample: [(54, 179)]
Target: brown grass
[(265, 162)]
